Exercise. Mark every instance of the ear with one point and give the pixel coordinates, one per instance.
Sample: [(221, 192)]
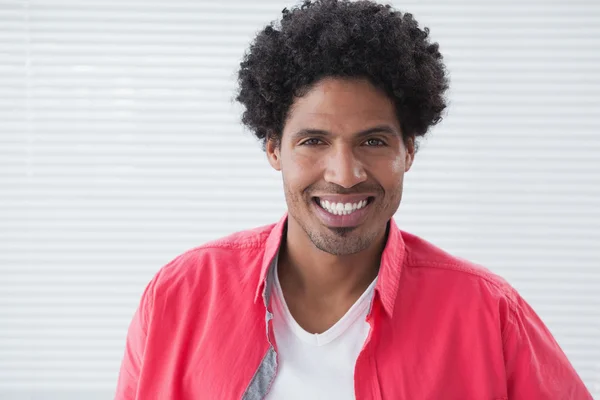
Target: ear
[(272, 148), (410, 153)]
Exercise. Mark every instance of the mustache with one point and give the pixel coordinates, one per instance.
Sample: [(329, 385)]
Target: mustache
[(336, 189)]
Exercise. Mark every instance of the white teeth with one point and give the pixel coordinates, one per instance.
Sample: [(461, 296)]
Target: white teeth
[(342, 208)]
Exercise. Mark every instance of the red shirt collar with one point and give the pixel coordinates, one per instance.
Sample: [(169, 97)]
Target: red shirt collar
[(390, 269)]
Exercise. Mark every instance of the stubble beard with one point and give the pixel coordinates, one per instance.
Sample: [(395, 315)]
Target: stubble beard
[(339, 241)]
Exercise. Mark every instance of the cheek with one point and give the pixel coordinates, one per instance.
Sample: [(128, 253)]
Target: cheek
[(390, 175), (390, 167), (397, 164), (299, 171)]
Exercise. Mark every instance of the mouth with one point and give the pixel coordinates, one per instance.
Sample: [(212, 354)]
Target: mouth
[(342, 211), (343, 208)]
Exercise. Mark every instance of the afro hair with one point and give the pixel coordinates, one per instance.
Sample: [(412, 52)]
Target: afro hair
[(342, 39)]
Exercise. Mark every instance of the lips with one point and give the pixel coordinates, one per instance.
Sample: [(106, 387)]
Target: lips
[(344, 198), (342, 211)]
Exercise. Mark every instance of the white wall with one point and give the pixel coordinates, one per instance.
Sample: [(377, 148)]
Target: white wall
[(121, 147)]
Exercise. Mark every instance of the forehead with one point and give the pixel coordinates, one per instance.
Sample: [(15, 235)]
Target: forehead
[(341, 104)]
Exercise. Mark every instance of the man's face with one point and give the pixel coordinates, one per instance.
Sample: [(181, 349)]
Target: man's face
[(343, 161)]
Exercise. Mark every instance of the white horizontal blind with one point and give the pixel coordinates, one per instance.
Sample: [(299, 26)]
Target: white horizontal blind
[(120, 147)]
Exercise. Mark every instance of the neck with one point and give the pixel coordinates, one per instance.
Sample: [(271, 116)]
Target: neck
[(314, 274)]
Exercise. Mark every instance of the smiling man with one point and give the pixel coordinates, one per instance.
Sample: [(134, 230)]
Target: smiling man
[(335, 301)]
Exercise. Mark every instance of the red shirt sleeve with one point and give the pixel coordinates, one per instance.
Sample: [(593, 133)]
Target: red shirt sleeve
[(536, 366), (134, 348)]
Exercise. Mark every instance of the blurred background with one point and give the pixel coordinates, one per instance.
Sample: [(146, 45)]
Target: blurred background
[(121, 147)]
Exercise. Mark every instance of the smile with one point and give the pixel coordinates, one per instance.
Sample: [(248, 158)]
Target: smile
[(342, 211), (341, 208)]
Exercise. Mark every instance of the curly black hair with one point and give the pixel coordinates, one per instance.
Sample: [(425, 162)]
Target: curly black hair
[(342, 39)]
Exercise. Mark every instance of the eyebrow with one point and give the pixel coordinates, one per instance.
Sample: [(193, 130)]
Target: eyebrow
[(386, 129)]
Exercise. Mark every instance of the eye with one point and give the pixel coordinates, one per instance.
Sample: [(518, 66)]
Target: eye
[(311, 142), (375, 142)]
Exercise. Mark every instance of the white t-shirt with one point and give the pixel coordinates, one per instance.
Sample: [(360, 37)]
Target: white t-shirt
[(317, 366)]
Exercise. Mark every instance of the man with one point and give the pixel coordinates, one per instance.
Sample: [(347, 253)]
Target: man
[(334, 301)]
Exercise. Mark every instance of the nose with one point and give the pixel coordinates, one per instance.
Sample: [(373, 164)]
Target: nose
[(344, 168)]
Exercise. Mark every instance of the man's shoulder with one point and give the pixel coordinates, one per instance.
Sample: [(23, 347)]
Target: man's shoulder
[(434, 262), (249, 238), (234, 257)]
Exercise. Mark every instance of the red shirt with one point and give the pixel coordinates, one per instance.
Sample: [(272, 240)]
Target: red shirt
[(441, 328)]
